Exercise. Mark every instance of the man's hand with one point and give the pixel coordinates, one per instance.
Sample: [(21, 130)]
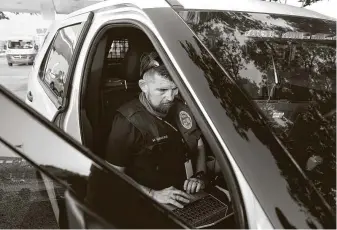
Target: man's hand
[(193, 185), (172, 196)]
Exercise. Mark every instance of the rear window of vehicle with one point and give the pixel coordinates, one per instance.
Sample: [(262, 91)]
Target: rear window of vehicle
[(20, 44), (287, 66)]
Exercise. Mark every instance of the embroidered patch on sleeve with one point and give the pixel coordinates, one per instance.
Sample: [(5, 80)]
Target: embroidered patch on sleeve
[(185, 119)]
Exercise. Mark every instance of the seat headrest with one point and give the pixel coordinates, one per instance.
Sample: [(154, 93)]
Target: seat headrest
[(131, 65), (131, 62)]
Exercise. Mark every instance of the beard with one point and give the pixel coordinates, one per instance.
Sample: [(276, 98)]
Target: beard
[(163, 108)]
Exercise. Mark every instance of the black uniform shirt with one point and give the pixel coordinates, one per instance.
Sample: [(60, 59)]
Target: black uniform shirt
[(159, 169), (123, 140)]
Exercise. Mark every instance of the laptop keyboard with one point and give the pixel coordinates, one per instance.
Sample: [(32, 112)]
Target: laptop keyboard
[(202, 212)]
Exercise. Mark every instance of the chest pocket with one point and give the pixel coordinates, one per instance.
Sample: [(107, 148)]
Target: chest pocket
[(157, 143), (166, 148), (161, 143)]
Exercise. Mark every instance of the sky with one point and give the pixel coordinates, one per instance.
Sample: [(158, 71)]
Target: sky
[(25, 24), (22, 24), (327, 7)]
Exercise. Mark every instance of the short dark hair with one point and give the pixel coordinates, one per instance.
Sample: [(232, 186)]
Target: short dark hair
[(159, 70), (150, 63)]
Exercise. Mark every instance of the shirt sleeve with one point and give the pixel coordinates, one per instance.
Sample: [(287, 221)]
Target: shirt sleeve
[(122, 141), (186, 121)]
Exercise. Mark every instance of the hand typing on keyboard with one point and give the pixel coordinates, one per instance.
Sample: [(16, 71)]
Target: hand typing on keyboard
[(172, 196), (193, 185)]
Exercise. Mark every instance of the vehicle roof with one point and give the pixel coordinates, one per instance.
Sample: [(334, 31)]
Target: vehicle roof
[(252, 6), (137, 3)]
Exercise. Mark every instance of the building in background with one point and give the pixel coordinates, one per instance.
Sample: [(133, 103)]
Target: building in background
[(2, 47), (40, 36)]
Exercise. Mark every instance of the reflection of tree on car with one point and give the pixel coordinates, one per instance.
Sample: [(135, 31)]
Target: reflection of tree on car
[(292, 80)]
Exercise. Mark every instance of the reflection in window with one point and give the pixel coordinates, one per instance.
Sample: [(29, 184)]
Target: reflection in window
[(59, 59), (287, 65)]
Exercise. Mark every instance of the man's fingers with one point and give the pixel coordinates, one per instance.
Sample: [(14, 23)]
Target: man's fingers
[(198, 187), (189, 187), (175, 203), (182, 194), (181, 199), (194, 187), (185, 184)]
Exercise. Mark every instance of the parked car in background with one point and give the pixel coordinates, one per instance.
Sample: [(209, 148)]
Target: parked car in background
[(21, 50)]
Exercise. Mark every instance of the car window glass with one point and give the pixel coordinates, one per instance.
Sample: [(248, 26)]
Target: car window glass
[(55, 67), (287, 65), (97, 186)]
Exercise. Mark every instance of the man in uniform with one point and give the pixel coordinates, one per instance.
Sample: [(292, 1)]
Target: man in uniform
[(154, 137)]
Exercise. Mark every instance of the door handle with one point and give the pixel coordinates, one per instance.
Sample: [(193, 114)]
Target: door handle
[(30, 96)]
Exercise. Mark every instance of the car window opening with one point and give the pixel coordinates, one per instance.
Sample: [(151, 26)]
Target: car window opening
[(113, 81)]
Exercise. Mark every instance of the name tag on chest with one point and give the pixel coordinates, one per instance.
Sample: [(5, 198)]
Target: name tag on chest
[(160, 139)]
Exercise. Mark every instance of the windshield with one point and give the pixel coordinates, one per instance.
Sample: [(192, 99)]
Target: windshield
[(287, 66), (20, 44)]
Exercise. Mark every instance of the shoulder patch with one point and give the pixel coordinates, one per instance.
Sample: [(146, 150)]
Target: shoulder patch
[(185, 119)]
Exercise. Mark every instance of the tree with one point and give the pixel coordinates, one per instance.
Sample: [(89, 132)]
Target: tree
[(304, 2), (307, 73), (3, 16)]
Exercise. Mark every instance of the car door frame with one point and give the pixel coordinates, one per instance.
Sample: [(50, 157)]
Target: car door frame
[(59, 110), (79, 209), (76, 147), (51, 108), (60, 115)]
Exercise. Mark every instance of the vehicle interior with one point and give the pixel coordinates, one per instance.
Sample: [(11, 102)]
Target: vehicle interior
[(111, 80)]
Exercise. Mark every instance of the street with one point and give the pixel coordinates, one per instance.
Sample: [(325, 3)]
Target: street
[(14, 77), (16, 211)]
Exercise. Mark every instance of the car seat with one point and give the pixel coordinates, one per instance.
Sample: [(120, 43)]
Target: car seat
[(118, 91)]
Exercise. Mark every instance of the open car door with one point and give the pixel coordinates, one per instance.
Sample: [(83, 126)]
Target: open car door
[(49, 180), (39, 179)]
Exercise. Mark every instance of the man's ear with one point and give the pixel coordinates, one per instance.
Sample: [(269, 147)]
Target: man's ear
[(143, 86)]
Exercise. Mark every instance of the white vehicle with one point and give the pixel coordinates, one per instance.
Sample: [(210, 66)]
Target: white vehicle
[(259, 77), (21, 50)]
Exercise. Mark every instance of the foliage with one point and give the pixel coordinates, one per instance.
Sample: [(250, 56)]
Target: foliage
[(305, 95), (304, 2), (3, 16)]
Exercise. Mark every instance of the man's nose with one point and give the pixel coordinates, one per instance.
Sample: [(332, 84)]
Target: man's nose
[(170, 95)]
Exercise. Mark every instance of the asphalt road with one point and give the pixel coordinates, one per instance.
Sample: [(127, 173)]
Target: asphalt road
[(14, 77), (14, 211)]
